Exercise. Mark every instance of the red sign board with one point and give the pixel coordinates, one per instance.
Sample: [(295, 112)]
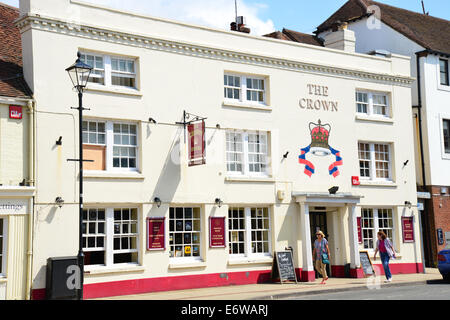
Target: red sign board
[(358, 222), (217, 232), (156, 234), (196, 144), (355, 181), (408, 229), (15, 112)]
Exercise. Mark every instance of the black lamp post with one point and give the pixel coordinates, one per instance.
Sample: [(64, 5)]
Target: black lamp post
[(79, 73)]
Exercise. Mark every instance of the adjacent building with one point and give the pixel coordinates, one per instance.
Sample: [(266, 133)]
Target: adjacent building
[(382, 30), (282, 128), (16, 164)]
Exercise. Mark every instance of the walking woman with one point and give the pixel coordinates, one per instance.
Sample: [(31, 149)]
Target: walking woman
[(320, 248), (387, 252)]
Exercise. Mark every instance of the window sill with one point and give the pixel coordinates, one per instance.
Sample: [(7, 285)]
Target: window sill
[(373, 119), (247, 261), (443, 87), (104, 270), (250, 179), (113, 175), (187, 265), (388, 184), (247, 105), (3, 280), (124, 91)]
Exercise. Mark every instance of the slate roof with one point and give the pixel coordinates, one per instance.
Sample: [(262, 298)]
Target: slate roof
[(291, 35), (429, 32)]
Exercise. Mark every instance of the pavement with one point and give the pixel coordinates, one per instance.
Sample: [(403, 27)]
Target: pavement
[(277, 291)]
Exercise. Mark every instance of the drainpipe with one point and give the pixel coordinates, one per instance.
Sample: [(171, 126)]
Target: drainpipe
[(31, 173), (419, 55)]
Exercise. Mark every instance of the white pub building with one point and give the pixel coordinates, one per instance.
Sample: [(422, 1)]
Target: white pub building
[(282, 129)]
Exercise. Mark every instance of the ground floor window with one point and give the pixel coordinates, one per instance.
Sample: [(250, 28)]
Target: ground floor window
[(2, 246), (249, 231), (373, 221), (110, 236), (184, 232)]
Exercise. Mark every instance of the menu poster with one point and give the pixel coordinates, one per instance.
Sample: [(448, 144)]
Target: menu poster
[(155, 234), (217, 232), (408, 229)]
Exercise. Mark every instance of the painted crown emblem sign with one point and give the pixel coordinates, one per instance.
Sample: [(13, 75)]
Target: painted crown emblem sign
[(320, 135)]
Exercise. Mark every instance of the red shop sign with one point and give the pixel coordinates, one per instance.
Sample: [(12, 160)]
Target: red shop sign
[(217, 232), (156, 234), (358, 222), (196, 144), (15, 112), (355, 181), (408, 229)]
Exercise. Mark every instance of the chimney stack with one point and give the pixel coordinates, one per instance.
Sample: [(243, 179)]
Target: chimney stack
[(341, 38), (240, 25)]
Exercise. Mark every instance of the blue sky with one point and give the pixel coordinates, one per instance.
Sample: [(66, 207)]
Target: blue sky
[(263, 16)]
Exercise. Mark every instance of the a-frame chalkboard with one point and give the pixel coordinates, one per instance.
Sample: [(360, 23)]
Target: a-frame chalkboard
[(366, 264), (283, 267)]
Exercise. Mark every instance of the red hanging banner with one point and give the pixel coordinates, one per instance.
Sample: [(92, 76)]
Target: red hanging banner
[(408, 229), (156, 234), (217, 232), (196, 144), (358, 222)]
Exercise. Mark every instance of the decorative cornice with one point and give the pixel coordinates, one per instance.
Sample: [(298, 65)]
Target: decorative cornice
[(185, 48)]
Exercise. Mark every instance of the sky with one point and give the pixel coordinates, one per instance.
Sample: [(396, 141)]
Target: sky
[(263, 16)]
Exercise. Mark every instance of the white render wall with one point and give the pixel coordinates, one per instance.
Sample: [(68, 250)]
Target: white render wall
[(171, 82)]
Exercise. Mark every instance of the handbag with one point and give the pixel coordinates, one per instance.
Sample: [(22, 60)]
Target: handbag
[(324, 255)]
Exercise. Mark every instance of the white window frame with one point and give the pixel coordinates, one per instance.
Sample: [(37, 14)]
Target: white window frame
[(376, 226), (109, 144), (107, 64), (190, 259), (248, 234), (245, 155), (243, 89), (93, 75), (370, 104), (373, 172), (123, 73), (448, 72), (4, 249), (109, 240), (442, 118)]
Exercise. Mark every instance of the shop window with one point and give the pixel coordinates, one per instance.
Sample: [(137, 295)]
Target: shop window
[(247, 89), (374, 161), (372, 104), (373, 221), (111, 71), (120, 138), (247, 153), (249, 232), (184, 232), (446, 135), (119, 227), (443, 71), (2, 247)]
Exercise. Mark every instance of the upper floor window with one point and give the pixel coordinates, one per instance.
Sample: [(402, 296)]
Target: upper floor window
[(251, 89), (110, 145), (446, 134), (374, 161), (110, 70), (443, 68), (372, 103), (247, 153)]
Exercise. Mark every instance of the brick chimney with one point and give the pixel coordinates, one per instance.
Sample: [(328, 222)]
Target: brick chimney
[(240, 25), (341, 38)]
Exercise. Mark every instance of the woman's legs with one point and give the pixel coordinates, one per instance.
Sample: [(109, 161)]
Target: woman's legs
[(385, 261), (321, 268)]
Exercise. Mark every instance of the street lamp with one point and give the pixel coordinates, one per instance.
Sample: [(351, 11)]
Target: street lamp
[(79, 73)]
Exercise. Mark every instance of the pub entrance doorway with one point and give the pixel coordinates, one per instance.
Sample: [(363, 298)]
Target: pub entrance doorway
[(318, 221)]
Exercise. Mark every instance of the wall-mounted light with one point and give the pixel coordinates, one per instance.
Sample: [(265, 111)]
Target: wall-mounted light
[(405, 163), (59, 141), (333, 190), (408, 204), (217, 126), (151, 120), (59, 202), (218, 202), (158, 202), (286, 155)]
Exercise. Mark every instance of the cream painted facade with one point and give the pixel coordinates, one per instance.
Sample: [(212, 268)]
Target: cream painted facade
[(16, 200), (181, 67)]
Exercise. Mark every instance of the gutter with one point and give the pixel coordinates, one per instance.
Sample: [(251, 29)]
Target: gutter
[(419, 113)]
